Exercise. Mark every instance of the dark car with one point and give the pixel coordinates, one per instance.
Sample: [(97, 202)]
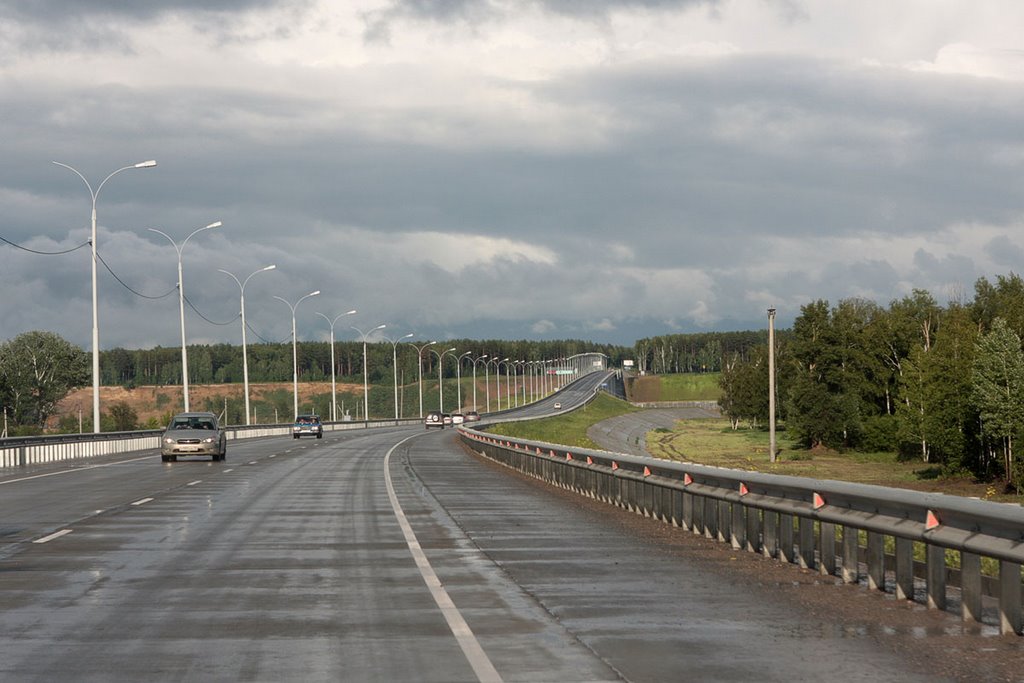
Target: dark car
[(436, 418), (193, 434), (308, 425)]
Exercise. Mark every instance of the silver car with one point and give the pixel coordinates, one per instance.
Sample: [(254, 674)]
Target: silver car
[(193, 434)]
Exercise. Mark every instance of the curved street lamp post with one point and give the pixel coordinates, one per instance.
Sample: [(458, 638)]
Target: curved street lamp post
[(419, 368), (334, 391), (394, 364), (95, 307), (458, 376), (475, 361), (366, 385), (181, 303), (245, 356), (440, 375), (295, 353)]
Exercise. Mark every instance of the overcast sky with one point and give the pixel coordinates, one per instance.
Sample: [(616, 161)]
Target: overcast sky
[(519, 169)]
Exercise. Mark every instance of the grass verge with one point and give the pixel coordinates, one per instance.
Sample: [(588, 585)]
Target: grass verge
[(569, 429)]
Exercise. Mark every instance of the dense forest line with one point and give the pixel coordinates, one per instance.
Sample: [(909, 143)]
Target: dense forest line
[(222, 363)]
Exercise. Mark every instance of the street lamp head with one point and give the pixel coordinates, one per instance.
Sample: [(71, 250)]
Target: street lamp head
[(213, 225), (379, 327), (352, 312), (408, 335), (270, 267), (313, 293), (146, 164)]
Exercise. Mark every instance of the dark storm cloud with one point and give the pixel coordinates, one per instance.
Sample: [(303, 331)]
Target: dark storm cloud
[(65, 11)]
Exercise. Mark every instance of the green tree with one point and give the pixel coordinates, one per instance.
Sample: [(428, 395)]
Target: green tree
[(998, 388), (37, 369), (123, 417)]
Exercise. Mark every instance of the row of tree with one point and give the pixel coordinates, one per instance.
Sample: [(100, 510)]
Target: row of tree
[(941, 383), (701, 352), (37, 369)]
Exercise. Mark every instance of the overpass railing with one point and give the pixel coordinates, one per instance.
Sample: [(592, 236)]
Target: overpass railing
[(35, 450), (826, 525)]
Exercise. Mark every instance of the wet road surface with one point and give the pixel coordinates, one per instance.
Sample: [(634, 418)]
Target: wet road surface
[(289, 561)]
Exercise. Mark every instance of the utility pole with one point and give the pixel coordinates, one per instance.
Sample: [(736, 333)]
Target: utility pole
[(771, 384)]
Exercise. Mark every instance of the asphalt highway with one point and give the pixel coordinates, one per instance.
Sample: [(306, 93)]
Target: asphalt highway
[(386, 555)]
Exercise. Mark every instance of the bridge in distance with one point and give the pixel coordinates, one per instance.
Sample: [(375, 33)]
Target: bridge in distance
[(394, 554)]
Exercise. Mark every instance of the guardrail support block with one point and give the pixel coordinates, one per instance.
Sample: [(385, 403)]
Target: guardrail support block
[(1009, 598), (904, 569), (876, 561), (937, 578), (724, 521), (688, 519), (827, 545), (851, 561), (970, 587)]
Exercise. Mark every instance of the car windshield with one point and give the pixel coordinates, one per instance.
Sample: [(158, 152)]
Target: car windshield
[(191, 423)]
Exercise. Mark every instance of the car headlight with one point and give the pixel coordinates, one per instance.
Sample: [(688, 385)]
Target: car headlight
[(168, 440), (209, 439)]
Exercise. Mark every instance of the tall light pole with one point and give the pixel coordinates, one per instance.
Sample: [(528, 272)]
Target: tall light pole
[(95, 307), (295, 353), (181, 302), (366, 385), (497, 374), (475, 361), (245, 355), (394, 364), (334, 392), (458, 376), (419, 368), (440, 375), (771, 384)]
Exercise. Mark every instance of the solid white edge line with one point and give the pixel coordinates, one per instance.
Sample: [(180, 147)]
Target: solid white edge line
[(193, 483), (478, 659), (58, 534), (142, 502)]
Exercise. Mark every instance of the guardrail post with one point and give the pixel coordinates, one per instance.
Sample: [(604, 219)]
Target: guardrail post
[(970, 587), (805, 552), (753, 529), (785, 537), (1009, 597), (851, 550), (677, 508), (827, 544), (937, 578), (724, 521), (876, 561), (905, 569), (739, 526), (688, 519), (771, 534), (710, 517)]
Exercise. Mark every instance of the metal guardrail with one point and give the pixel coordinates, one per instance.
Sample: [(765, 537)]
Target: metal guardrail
[(23, 451), (817, 524)]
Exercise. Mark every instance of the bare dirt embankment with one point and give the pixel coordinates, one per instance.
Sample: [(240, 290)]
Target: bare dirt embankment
[(156, 402)]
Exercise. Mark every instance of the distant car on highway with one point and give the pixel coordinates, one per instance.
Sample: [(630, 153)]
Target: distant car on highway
[(193, 434), (472, 416), (308, 425), (558, 406), (435, 418), (458, 418)]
